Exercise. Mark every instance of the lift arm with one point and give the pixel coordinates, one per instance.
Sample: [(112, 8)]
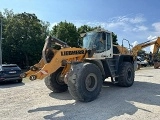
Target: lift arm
[(57, 59), (138, 47)]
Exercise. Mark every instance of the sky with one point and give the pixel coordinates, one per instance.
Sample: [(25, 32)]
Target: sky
[(134, 20)]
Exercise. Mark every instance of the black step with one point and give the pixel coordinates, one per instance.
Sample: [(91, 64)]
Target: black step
[(112, 66)]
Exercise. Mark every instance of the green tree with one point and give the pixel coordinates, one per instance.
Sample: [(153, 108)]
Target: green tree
[(85, 28), (66, 32), (114, 37), (141, 53), (24, 38)]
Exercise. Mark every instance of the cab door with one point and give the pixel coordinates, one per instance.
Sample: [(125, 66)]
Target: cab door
[(106, 49)]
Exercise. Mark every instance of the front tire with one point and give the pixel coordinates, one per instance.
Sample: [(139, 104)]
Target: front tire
[(55, 82), (126, 75), (19, 81), (85, 82)]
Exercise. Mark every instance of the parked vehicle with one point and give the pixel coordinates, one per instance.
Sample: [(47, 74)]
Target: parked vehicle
[(10, 72), (141, 62)]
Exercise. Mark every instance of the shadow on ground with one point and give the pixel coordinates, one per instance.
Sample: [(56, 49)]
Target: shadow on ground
[(61, 96), (148, 68), (145, 75), (113, 101), (10, 84)]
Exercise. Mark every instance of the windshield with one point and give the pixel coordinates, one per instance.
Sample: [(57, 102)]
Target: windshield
[(90, 39), (139, 58)]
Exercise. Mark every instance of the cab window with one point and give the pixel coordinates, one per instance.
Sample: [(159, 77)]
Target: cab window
[(108, 40), (101, 42)]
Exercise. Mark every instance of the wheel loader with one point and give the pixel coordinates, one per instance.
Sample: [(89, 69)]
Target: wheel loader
[(82, 70)]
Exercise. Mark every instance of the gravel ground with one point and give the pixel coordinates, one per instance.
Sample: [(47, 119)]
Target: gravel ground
[(33, 101)]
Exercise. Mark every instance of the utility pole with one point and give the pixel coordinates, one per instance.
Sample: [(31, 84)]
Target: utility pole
[(1, 43)]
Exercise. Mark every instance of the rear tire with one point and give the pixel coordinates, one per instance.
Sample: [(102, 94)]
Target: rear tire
[(55, 83), (126, 75), (85, 82)]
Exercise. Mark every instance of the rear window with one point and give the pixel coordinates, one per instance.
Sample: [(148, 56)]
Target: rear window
[(5, 68)]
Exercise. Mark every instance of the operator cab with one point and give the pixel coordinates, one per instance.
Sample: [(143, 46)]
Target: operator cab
[(100, 43)]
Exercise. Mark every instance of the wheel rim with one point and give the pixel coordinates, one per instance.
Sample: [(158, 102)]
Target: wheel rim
[(129, 75), (91, 82), (59, 79)]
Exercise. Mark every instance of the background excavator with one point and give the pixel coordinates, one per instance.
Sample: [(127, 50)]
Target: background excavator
[(117, 49), (82, 70), (156, 43)]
